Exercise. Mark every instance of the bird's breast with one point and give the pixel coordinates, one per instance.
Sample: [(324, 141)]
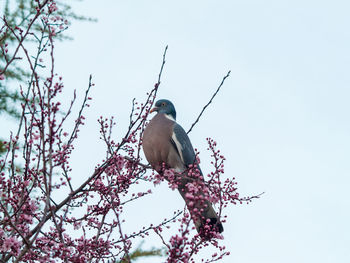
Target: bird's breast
[(156, 141)]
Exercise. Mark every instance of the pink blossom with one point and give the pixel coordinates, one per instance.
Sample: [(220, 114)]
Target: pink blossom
[(11, 244), (53, 7)]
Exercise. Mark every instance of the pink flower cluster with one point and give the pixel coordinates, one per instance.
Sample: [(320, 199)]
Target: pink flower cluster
[(9, 245)]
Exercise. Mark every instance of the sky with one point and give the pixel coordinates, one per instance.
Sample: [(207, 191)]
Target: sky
[(281, 118)]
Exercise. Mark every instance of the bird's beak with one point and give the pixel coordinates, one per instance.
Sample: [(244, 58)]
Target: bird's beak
[(153, 109)]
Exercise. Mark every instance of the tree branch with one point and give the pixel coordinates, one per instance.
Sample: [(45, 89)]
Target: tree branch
[(210, 101)]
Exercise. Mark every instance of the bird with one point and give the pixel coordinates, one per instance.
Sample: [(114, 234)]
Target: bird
[(166, 145)]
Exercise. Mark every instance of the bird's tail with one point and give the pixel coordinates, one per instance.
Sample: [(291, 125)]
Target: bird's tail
[(206, 220)]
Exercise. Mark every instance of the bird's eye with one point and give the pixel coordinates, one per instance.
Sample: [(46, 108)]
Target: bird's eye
[(163, 103)]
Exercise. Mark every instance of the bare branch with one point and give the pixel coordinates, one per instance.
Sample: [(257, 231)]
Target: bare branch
[(161, 68), (210, 101)]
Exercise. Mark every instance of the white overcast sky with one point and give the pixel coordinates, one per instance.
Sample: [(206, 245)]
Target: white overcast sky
[(281, 119)]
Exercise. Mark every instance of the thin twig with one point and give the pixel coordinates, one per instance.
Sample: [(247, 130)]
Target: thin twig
[(78, 120), (151, 96), (210, 101), (161, 68)]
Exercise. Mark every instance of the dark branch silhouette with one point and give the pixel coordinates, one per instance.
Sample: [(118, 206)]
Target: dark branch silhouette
[(210, 101)]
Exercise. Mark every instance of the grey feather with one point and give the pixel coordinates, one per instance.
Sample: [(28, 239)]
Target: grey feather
[(186, 151)]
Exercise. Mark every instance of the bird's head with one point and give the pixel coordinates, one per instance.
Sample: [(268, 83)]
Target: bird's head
[(166, 107)]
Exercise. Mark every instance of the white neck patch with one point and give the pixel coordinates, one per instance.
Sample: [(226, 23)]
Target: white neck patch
[(169, 117)]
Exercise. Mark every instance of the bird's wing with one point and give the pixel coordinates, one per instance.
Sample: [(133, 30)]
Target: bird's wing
[(184, 148), (183, 145)]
